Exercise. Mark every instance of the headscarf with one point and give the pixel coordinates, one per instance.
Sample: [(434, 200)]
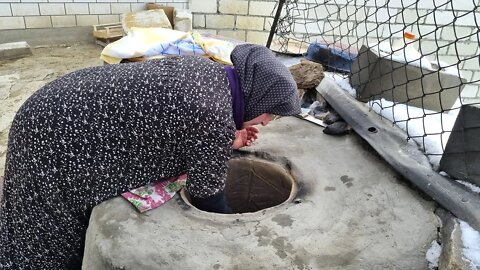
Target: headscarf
[(267, 84)]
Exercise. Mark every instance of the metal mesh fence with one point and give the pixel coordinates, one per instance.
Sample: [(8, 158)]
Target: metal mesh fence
[(418, 82)]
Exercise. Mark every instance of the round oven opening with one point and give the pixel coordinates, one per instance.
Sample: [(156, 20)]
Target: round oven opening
[(253, 185)]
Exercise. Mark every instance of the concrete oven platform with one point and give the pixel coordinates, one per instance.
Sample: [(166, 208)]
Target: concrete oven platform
[(351, 211)]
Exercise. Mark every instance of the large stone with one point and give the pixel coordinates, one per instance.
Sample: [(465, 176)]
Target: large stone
[(307, 74), (14, 50), (351, 212)]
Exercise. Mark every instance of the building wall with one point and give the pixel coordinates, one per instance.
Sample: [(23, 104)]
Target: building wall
[(250, 20)]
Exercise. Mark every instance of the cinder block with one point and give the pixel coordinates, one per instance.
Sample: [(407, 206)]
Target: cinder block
[(257, 37), (52, 9), (440, 17), (5, 10), (14, 50), (64, 21), (108, 18), (199, 20), (250, 23), (137, 6), (470, 19), (220, 21), (237, 35), (453, 33), (87, 20), (233, 6), (323, 12), (12, 23), (120, 8), (464, 48), (411, 15), (38, 22), (262, 8), (203, 6), (25, 9), (462, 153), (99, 8), (77, 8)]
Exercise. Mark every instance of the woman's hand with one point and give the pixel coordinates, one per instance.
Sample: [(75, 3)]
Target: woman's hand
[(245, 137)]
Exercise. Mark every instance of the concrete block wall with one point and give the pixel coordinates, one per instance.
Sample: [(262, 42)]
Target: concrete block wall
[(35, 14)]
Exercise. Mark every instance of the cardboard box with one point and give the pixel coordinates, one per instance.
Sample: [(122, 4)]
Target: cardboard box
[(378, 77)]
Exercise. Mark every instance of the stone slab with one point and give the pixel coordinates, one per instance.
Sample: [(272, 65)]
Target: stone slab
[(352, 211), (14, 50)]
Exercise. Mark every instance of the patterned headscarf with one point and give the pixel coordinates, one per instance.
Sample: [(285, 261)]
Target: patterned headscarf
[(267, 84)]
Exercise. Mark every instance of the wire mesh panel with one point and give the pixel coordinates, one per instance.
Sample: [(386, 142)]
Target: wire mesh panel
[(415, 62)]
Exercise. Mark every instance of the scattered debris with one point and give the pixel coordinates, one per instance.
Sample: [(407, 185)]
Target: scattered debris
[(106, 33), (339, 128)]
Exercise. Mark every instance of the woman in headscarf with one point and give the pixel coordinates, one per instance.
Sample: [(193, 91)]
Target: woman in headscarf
[(98, 132)]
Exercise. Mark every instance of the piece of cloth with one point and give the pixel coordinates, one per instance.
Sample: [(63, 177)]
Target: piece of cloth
[(267, 85), (154, 42), (238, 101), (98, 132), (155, 194)]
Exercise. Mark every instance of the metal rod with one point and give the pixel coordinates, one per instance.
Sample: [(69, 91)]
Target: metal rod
[(275, 21)]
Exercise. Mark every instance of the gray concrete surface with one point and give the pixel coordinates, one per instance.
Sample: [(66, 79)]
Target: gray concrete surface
[(352, 212), (49, 36)]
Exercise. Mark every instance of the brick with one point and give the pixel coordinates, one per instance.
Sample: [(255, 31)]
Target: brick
[(87, 20), (464, 48), (352, 13), (233, 7), (137, 7), (203, 6), (76, 8), (12, 23), (471, 64), (59, 1), (250, 23), (394, 30), (108, 19), (52, 9), (399, 4), (428, 47), (257, 37), (453, 33), (198, 20), (5, 10), (220, 21), (38, 22), (431, 4), (120, 8), (14, 50), (207, 31), (408, 16), (341, 28), (268, 24), (475, 77), (323, 12), (469, 91), (262, 8), (458, 5), (468, 19), (237, 35), (381, 15), (25, 9), (99, 8), (440, 17), (310, 27), (64, 21), (467, 74), (84, 1)]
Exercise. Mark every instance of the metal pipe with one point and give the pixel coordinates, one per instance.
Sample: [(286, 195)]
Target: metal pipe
[(274, 24)]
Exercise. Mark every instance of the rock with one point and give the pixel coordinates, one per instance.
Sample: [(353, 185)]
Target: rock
[(14, 50), (451, 257), (307, 74), (331, 118), (338, 129)]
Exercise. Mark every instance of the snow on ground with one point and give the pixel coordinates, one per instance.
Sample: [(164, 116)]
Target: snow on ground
[(469, 185), (471, 245), (342, 81), (433, 254), (424, 126)]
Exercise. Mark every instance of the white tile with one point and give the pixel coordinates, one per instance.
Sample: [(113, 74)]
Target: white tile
[(76, 8), (12, 23), (52, 9), (25, 9), (38, 22), (63, 21), (99, 8), (5, 10)]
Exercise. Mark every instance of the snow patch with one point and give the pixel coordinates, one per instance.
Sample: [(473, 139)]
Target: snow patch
[(342, 81), (469, 185), (433, 255), (471, 245)]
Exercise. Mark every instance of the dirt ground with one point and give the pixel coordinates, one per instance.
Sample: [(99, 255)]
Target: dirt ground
[(22, 77)]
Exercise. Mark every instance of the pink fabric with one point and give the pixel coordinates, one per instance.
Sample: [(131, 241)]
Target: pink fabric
[(156, 193)]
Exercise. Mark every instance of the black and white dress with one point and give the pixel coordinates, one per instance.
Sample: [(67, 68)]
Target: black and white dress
[(98, 132)]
